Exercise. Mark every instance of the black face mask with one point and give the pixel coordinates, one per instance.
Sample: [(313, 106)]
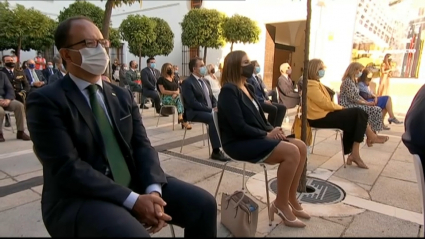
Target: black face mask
[(247, 70), (213, 70), (10, 64), (169, 72)]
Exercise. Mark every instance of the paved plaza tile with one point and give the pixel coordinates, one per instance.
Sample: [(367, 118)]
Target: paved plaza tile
[(382, 201)]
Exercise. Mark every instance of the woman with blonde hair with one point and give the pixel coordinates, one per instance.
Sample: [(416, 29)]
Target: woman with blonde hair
[(212, 79), (350, 98), (246, 135), (386, 71), (170, 90), (323, 113)]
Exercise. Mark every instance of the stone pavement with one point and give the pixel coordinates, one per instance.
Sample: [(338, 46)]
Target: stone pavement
[(380, 202)]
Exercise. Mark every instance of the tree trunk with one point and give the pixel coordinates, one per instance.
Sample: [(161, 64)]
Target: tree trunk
[(231, 47), (140, 60), (302, 185), (205, 55), (105, 28), (107, 18), (18, 53)]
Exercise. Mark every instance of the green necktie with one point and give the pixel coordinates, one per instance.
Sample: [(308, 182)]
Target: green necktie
[(113, 152)]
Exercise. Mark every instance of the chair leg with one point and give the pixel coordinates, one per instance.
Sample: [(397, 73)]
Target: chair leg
[(157, 122), (172, 230), (314, 141), (184, 137), (174, 118), (267, 191), (342, 148), (221, 177), (203, 132), (243, 177), (208, 140)]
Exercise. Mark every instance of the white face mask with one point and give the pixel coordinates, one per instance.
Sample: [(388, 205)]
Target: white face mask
[(93, 60)]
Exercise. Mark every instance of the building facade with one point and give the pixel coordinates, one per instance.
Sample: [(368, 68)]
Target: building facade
[(282, 24)]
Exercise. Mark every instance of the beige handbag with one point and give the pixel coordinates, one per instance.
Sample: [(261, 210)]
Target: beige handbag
[(239, 214)]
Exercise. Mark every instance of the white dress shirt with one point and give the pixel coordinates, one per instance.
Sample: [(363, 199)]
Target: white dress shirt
[(82, 86)]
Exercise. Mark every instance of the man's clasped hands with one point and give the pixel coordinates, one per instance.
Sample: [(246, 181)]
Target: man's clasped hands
[(149, 210)]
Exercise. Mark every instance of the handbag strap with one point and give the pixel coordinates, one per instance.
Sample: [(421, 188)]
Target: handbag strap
[(234, 194)]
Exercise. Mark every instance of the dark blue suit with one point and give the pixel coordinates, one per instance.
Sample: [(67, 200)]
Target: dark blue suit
[(196, 106), (31, 79), (149, 87), (413, 136), (276, 111)]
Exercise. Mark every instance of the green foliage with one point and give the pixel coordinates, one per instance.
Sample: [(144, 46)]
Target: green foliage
[(241, 29), (203, 27), (41, 43), (119, 3), (95, 13), (138, 31), (164, 43), (25, 29), (83, 8), (114, 37)]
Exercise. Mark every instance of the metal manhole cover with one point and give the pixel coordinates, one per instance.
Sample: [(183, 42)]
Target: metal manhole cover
[(318, 192)]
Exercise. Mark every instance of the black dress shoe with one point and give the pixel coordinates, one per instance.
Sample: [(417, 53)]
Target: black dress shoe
[(219, 156), (144, 107)]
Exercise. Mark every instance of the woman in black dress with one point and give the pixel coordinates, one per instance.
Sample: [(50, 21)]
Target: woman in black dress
[(247, 136)]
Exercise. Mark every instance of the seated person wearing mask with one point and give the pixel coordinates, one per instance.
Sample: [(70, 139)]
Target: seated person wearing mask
[(276, 112)]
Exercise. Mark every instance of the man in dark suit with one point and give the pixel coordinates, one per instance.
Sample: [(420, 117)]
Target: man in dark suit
[(132, 78), (8, 103), (414, 126), (60, 72), (17, 78), (276, 112), (102, 177), (35, 77), (149, 77), (49, 71), (121, 74), (199, 103)]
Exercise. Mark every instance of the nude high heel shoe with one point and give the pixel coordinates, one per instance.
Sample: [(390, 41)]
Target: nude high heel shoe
[(294, 223), (299, 213)]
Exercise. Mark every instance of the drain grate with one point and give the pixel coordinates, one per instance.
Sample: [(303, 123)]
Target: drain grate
[(209, 163), (318, 192)]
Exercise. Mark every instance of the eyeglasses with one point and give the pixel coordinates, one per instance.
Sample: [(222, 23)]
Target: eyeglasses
[(93, 43)]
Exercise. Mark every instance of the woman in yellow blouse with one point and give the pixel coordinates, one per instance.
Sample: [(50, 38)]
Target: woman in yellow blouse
[(323, 113)]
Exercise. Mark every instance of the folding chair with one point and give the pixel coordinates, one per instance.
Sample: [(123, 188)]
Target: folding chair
[(9, 116), (420, 178), (203, 139), (167, 107), (337, 131), (243, 175)]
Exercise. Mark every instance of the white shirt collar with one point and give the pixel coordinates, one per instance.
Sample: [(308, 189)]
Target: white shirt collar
[(82, 84), (196, 77)]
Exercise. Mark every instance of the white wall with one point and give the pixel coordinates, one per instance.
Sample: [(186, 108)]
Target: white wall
[(338, 19), (170, 11)]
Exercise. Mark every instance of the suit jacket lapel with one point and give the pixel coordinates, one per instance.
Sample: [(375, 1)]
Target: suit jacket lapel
[(77, 98), (111, 103), (250, 105), (198, 85)]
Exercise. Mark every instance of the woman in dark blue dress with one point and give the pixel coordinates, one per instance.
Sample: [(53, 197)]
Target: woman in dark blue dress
[(247, 136), (384, 102)]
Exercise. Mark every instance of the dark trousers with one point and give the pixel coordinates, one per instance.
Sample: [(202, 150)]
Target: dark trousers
[(273, 94), (352, 121), (154, 96), (276, 113), (190, 207), (207, 118)]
